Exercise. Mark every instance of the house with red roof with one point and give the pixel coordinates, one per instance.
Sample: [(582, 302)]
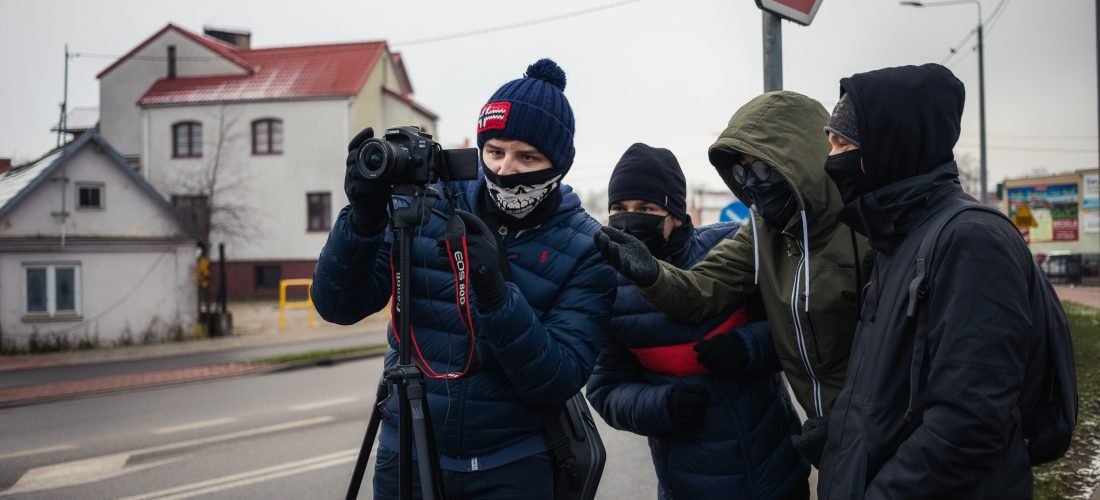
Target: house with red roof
[(251, 142)]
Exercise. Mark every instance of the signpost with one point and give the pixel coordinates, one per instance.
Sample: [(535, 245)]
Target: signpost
[(734, 212), (799, 11)]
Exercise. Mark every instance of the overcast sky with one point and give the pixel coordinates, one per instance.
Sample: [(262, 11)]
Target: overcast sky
[(666, 73)]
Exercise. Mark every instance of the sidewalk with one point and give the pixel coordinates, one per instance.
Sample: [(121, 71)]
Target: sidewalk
[(26, 379), (1083, 295)]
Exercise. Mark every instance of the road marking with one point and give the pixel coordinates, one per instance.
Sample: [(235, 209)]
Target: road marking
[(48, 449), (90, 470), (324, 404), (251, 477), (195, 425)]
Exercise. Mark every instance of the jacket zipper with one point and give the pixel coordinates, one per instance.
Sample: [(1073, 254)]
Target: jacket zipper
[(800, 337)]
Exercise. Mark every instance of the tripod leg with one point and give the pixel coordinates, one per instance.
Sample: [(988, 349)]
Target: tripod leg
[(431, 477), (368, 442)]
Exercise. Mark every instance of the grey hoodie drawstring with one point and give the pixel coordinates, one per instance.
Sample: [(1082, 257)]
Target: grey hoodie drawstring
[(755, 248), (806, 256)]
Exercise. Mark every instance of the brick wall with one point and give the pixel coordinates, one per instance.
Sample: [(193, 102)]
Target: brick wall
[(242, 280)]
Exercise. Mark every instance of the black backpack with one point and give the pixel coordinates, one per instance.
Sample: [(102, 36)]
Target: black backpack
[(1049, 409)]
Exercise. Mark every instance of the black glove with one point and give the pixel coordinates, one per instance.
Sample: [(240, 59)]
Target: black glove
[(811, 443), (723, 354), (628, 255), (368, 198), (485, 275), (687, 405)]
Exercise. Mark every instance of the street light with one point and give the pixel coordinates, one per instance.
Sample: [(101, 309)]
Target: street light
[(981, 78)]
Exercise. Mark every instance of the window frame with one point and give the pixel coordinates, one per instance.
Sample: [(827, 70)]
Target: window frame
[(270, 137), (101, 187), (256, 282), (51, 312), (191, 152), (326, 212)]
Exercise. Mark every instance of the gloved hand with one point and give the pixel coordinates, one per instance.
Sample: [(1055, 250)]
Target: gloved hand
[(687, 405), (723, 354), (811, 443), (368, 198), (485, 275), (628, 255)]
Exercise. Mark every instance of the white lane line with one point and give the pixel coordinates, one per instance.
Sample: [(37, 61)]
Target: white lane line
[(233, 435), (324, 404), (195, 425), (93, 469), (36, 451), (251, 477)]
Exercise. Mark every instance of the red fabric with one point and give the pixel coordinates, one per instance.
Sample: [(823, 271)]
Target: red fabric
[(680, 359)]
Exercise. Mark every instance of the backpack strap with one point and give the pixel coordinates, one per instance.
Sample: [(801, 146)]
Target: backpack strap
[(919, 289)]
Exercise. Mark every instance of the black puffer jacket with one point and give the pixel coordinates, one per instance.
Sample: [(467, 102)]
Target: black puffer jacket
[(963, 438)]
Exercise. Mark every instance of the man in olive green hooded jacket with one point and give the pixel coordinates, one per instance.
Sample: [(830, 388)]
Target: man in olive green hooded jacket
[(773, 144)]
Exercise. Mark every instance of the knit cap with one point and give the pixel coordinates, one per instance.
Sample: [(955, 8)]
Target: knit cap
[(843, 121), (532, 109), (650, 174)]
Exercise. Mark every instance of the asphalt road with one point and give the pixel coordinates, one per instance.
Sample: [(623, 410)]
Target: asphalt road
[(283, 435)]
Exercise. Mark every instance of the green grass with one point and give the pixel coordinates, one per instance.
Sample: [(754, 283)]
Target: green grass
[(321, 354), (1075, 475)]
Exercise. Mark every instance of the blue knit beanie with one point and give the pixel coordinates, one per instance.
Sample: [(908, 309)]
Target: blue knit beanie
[(532, 109)]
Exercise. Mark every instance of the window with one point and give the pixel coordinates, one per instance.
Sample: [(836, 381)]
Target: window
[(53, 289), (195, 208), (187, 140), (268, 277), (319, 210), (267, 137), (89, 196)]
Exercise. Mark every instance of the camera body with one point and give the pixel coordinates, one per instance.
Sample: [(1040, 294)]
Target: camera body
[(408, 156)]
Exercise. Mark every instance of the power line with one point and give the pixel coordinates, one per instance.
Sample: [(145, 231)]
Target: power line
[(1038, 137), (986, 23), (91, 55), (520, 24)]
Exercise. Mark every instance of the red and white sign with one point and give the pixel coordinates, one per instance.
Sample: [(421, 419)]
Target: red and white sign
[(799, 11)]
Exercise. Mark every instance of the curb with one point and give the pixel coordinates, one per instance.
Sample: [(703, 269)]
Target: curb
[(257, 369)]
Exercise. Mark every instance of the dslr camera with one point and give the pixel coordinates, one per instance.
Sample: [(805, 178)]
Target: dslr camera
[(408, 156)]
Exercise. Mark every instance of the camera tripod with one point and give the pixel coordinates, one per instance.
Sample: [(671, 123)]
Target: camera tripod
[(414, 426)]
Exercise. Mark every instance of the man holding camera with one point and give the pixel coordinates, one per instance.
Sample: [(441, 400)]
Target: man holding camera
[(542, 295)]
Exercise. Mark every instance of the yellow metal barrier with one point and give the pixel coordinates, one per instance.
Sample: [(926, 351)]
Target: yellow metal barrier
[(284, 305)]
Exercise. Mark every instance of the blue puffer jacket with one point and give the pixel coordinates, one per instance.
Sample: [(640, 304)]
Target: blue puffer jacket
[(743, 449), (534, 352)]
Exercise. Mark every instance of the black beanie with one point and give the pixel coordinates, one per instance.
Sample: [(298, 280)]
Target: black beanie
[(843, 121), (649, 174)]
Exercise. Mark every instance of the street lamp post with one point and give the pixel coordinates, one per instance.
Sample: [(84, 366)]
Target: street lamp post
[(981, 81)]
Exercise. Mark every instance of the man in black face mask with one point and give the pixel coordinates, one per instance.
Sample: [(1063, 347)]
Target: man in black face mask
[(701, 392), (793, 253), (949, 345)]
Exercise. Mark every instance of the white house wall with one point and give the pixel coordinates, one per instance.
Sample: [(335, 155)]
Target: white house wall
[(128, 210), (272, 187), (147, 290), (120, 89)]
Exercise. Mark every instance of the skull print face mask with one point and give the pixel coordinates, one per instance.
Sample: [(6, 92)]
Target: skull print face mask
[(517, 195)]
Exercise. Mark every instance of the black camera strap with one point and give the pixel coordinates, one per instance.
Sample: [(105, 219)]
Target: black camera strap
[(458, 256)]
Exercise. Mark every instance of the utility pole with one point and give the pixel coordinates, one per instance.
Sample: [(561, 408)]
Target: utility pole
[(773, 51)]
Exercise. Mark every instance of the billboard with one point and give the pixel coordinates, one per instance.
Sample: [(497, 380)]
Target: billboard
[(1054, 208), (1090, 203)]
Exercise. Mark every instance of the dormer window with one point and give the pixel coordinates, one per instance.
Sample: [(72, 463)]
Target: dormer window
[(267, 137), (187, 140)]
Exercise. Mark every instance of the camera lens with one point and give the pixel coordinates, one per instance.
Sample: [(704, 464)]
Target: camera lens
[(375, 157)]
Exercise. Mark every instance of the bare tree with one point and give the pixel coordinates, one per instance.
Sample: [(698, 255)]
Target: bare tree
[(213, 195), (969, 176)]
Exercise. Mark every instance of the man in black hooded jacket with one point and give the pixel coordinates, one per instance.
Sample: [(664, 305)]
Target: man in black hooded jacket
[(956, 432)]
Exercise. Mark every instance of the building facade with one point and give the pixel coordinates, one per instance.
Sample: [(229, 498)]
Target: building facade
[(91, 253), (252, 143)]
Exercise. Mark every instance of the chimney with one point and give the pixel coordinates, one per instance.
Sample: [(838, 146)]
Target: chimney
[(242, 39), (5, 165), (171, 61)]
